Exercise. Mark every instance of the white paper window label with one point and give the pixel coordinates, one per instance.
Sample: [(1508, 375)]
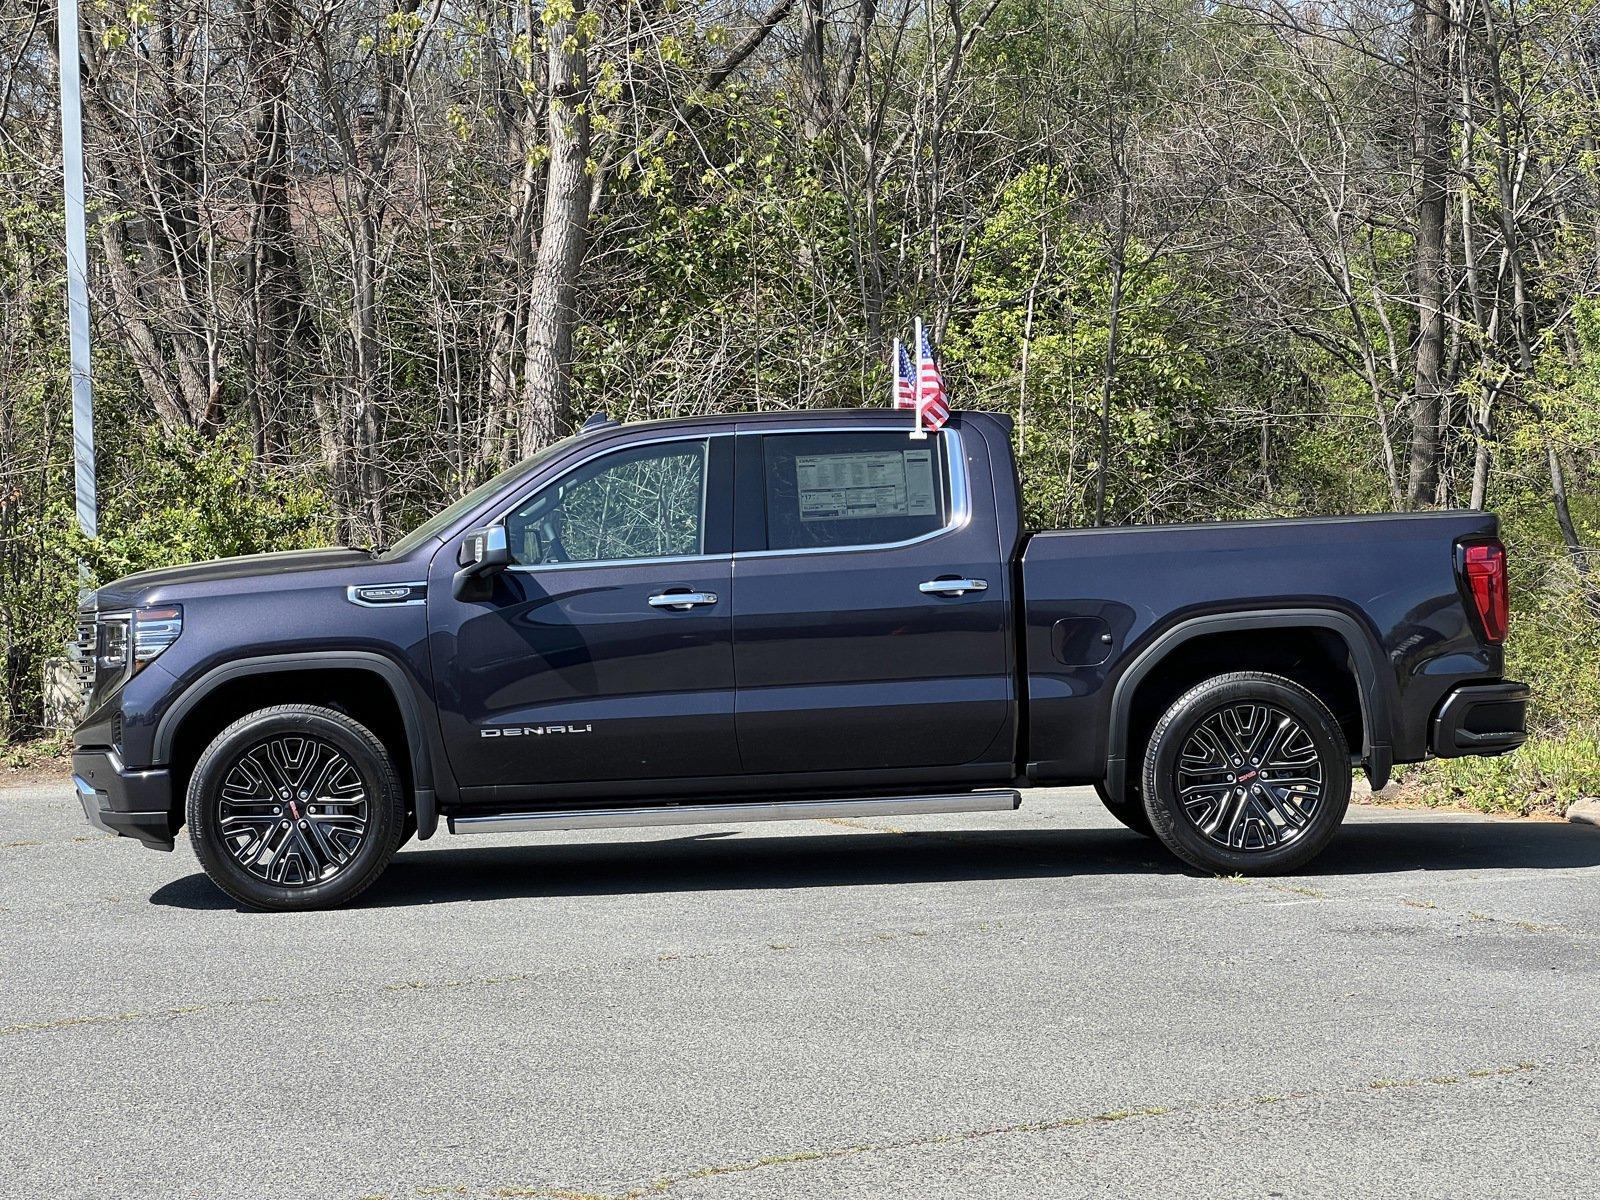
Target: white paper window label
[(871, 483), (919, 482)]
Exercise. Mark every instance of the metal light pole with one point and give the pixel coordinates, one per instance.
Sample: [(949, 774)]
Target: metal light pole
[(77, 269)]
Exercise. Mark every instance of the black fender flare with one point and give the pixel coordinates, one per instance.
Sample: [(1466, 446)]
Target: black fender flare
[(394, 678), (1375, 683)]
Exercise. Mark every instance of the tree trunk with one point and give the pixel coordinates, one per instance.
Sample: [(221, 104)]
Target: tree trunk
[(1432, 149), (1108, 378), (363, 432), (546, 410), (273, 286), (816, 95)]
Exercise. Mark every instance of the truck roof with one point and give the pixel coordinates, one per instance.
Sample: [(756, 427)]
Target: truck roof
[(790, 416)]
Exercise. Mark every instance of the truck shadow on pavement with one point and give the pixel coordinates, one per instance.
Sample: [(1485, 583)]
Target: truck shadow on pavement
[(732, 861)]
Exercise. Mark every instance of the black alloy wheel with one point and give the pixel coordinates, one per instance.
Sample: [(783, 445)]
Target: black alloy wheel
[(1247, 772), (293, 811), (1249, 778), (295, 807)]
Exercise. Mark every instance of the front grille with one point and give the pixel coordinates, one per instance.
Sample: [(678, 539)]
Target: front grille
[(84, 646)]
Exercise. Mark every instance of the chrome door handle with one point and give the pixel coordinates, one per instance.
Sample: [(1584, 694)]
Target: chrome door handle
[(682, 601), (952, 587)]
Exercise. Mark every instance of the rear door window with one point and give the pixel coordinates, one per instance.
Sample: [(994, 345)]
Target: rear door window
[(872, 488)]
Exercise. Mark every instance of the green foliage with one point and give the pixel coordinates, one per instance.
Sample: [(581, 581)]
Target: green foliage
[(164, 499), (196, 498), (1568, 389), (722, 279), (1546, 775), (1325, 470), (1554, 646), (50, 753), (1039, 271)]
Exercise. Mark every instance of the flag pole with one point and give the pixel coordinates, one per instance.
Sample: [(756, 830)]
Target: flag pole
[(894, 374), (919, 431)]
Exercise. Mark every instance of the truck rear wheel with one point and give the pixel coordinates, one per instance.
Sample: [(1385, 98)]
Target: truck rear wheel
[(1246, 773), (295, 807)]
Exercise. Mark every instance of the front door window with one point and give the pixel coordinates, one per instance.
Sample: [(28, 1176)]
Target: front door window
[(647, 502)]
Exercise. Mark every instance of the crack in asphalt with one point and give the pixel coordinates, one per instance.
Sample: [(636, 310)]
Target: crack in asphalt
[(1257, 888), (665, 1184), (33, 843)]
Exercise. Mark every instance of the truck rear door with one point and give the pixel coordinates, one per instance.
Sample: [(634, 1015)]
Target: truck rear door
[(871, 605)]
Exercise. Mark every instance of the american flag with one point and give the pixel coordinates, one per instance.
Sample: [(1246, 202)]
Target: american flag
[(905, 379), (933, 410)]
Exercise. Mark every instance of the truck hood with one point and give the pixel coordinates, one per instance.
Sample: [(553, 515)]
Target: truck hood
[(163, 583)]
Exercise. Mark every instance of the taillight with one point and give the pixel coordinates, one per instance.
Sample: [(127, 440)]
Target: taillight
[(1483, 570)]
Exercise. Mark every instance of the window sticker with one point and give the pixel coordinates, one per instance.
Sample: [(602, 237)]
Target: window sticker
[(919, 482), (875, 483)]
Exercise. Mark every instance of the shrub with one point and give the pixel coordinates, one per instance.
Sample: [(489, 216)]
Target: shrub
[(1547, 774), (164, 499), (1554, 647)]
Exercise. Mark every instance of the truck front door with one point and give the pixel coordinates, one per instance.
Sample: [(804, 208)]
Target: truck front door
[(605, 651)]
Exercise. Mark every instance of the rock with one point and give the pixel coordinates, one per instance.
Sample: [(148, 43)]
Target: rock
[(1586, 811), (63, 694)]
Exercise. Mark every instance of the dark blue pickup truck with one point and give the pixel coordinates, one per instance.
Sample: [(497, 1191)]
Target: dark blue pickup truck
[(786, 615)]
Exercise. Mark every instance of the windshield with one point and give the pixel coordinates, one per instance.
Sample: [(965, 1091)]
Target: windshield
[(436, 525)]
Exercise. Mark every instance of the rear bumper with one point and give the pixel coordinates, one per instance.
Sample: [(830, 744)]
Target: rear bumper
[(136, 804), (1486, 718)]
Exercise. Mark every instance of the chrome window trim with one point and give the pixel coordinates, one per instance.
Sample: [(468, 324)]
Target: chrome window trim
[(705, 493), (523, 568), (960, 491), (959, 481)]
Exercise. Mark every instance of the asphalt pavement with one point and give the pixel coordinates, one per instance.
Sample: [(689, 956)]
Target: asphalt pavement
[(1032, 1004)]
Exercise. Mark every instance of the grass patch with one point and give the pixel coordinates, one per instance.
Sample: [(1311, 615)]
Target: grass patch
[(1545, 776), (44, 756)]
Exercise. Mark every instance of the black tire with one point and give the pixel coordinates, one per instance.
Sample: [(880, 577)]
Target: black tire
[(1130, 811), (320, 860), (1233, 821)]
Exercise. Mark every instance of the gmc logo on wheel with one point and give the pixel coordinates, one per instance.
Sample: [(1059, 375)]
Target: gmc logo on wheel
[(532, 730)]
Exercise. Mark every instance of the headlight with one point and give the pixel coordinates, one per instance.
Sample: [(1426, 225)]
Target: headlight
[(111, 644), (154, 629), (126, 642), (111, 655)]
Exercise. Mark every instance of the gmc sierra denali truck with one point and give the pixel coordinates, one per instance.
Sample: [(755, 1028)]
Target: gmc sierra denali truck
[(787, 615)]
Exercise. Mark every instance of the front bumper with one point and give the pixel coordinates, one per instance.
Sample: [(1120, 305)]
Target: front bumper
[(136, 804), (1487, 718)]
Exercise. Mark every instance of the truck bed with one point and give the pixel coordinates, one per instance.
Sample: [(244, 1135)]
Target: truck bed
[(1095, 600)]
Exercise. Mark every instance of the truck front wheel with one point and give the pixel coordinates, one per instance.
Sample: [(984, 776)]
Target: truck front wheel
[(295, 807), (1246, 773)]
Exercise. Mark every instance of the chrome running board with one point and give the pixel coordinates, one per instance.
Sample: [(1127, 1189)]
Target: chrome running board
[(736, 812)]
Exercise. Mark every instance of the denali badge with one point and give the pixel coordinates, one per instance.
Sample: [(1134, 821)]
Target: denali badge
[(532, 730)]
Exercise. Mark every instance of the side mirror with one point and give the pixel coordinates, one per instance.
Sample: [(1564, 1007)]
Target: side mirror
[(483, 553)]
